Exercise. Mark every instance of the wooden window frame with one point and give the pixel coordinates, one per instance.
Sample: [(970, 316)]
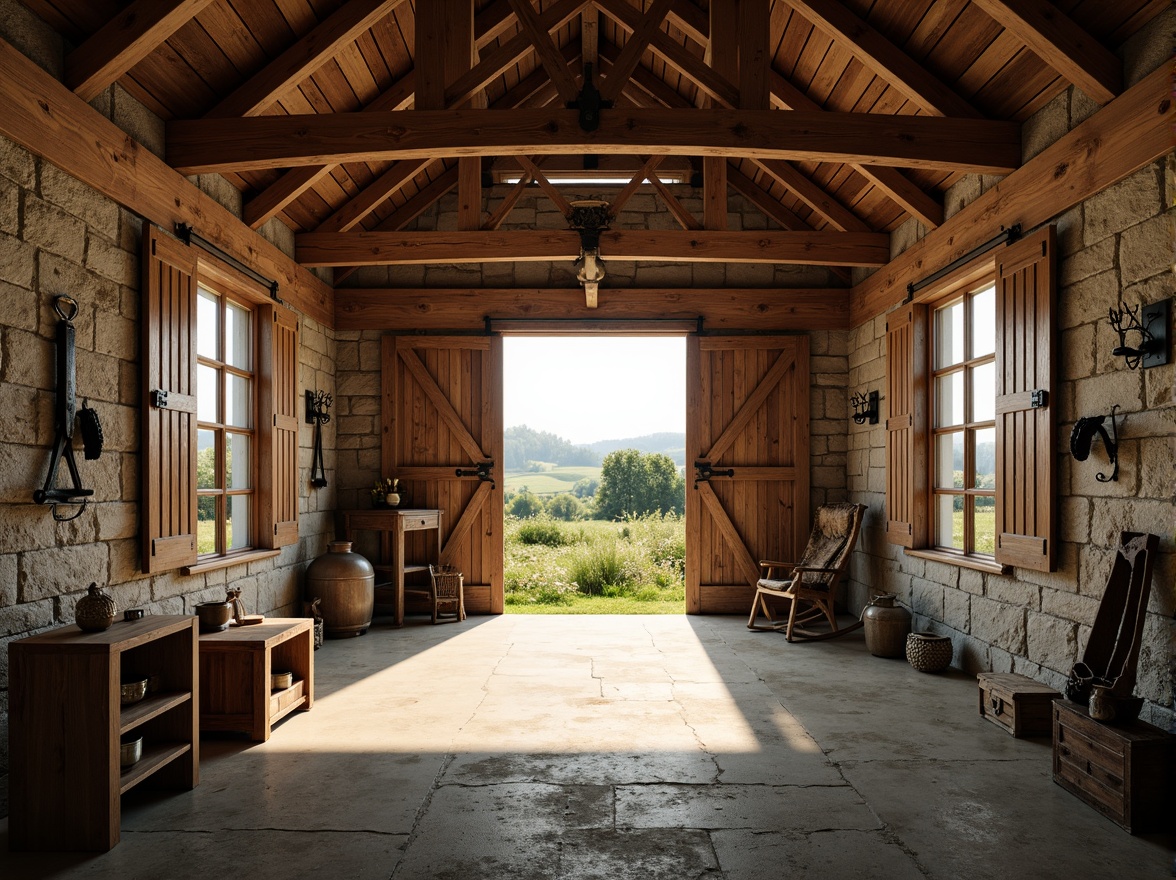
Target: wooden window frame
[(1025, 287)]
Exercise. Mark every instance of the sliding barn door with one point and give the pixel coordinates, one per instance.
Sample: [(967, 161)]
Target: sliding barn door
[(747, 479), (442, 437)]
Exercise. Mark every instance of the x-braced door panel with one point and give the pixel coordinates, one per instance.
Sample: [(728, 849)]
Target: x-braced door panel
[(442, 437), (747, 446)]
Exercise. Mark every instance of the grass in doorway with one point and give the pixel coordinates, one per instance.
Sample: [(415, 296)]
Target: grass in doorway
[(592, 567)]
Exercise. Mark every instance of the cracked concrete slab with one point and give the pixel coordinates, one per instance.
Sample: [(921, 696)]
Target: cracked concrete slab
[(616, 747)]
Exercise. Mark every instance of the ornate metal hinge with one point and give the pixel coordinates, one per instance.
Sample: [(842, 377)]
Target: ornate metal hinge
[(484, 471), (703, 472)]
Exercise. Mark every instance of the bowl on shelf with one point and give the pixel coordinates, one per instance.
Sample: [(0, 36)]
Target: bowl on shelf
[(130, 751), (133, 690), (279, 681), (214, 616)]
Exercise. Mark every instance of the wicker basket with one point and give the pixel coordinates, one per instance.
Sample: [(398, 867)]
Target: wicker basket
[(928, 652)]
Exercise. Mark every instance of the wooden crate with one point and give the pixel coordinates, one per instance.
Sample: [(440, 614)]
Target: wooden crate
[(1016, 703), (1124, 772)]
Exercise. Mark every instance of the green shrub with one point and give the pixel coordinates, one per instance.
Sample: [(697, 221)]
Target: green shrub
[(564, 506), (541, 530), (598, 566), (525, 504)]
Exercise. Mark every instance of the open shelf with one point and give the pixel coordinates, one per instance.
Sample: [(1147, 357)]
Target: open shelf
[(155, 756), (135, 714)]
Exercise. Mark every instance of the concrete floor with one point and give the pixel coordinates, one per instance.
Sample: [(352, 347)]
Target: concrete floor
[(617, 747)]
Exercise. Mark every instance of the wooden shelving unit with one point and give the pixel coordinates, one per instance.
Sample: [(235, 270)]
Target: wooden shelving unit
[(66, 720)]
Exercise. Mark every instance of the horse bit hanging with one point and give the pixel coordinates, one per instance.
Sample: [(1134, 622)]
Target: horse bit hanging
[(65, 412)]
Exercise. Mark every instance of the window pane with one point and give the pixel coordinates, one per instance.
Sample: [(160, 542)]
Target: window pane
[(949, 399), (238, 405), (207, 392), (205, 459), (237, 465), (984, 393), (207, 324), (949, 521), (984, 322), (238, 525), (949, 461), (985, 459), (949, 335), (985, 524), (238, 336)]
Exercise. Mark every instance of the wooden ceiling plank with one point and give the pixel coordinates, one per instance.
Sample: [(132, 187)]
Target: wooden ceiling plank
[(549, 55), (123, 42), (1061, 44), (812, 195), (762, 200), (216, 145), (690, 20), (492, 22), (892, 181), (684, 218), (391, 181), (509, 53), (549, 189), (630, 188), (635, 47), (885, 58), (1131, 132), (759, 246)]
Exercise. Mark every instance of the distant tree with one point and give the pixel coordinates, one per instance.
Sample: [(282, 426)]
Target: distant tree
[(525, 504), (564, 506), (585, 488), (522, 445), (632, 483)]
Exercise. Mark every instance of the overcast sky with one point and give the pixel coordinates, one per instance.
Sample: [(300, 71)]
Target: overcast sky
[(599, 388)]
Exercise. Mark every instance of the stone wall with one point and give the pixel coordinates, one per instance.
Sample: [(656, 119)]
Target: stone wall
[(57, 236), (1116, 245)]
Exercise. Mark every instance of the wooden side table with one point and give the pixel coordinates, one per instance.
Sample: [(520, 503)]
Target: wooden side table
[(235, 667), (392, 525)]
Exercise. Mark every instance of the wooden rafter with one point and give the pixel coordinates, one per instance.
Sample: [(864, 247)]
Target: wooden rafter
[(812, 195), (892, 181), (634, 48), (1062, 44), (755, 194), (500, 214), (549, 189), (302, 59), (550, 58), (884, 58), (675, 54), (723, 57), (754, 54), (408, 248), (492, 22), (647, 168), (384, 186), (685, 219), (219, 145), (124, 41), (590, 36)]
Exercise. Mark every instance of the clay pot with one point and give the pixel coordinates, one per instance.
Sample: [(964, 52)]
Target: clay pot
[(214, 616), (94, 612), (344, 583), (928, 652), (887, 626)]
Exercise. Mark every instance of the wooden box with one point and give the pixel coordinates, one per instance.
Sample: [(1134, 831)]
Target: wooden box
[(1123, 772), (1016, 703)]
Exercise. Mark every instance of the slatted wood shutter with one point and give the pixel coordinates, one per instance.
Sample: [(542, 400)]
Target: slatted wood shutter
[(906, 426), (1025, 282), (277, 428), (168, 502)]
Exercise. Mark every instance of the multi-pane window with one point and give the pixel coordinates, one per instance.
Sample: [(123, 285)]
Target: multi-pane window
[(226, 441), (963, 423)]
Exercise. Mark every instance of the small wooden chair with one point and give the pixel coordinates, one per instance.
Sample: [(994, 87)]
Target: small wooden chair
[(810, 585), (445, 594)]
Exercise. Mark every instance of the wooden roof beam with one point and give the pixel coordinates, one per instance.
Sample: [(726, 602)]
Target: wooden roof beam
[(332, 35), (1062, 44), (590, 36), (382, 188), (763, 200), (898, 187), (647, 168), (124, 41), (812, 195), (550, 58), (219, 145), (414, 248), (634, 48), (500, 214), (884, 58), (684, 218), (562, 205)]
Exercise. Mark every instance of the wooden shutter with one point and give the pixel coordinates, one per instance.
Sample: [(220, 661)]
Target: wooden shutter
[(906, 426), (168, 504), (277, 429), (1024, 405)]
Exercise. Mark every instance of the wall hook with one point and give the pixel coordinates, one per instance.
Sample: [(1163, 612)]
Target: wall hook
[(317, 405), (1083, 435)]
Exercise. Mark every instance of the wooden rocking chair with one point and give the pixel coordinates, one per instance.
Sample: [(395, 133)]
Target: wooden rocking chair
[(810, 585)]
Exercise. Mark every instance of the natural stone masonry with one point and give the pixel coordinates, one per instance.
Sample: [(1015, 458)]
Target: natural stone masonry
[(1116, 245)]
